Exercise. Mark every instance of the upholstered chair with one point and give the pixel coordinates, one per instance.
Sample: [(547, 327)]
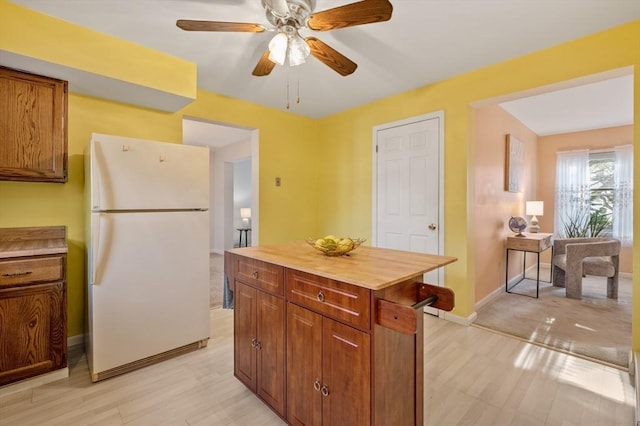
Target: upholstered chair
[(574, 258)]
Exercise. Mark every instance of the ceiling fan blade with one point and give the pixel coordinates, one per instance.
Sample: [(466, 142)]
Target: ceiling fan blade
[(264, 65), (331, 57), (362, 12), (241, 27), (280, 8)]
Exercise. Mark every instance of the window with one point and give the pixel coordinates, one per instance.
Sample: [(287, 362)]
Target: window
[(594, 194), (601, 188)]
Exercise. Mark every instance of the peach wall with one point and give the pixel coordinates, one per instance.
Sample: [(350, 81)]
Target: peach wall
[(493, 205), (592, 139)]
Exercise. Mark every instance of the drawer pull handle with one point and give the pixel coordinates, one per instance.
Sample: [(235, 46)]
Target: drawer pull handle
[(324, 390), (316, 385), (320, 296), (17, 274), (255, 274)]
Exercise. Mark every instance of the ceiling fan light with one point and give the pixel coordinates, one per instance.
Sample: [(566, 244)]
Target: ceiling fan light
[(278, 48), (299, 50)]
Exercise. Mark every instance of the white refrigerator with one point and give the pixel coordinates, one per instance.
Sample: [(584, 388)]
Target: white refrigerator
[(147, 236)]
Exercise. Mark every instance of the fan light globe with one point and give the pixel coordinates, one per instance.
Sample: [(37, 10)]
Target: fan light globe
[(278, 48), (299, 50)]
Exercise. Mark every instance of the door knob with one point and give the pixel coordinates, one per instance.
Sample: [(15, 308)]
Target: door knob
[(432, 226)]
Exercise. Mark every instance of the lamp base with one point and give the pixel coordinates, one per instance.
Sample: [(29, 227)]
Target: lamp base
[(533, 225)]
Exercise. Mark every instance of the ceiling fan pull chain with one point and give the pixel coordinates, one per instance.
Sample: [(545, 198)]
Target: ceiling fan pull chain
[(287, 89), (298, 84)]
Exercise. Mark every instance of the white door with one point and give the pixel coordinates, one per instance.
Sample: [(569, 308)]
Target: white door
[(408, 190)]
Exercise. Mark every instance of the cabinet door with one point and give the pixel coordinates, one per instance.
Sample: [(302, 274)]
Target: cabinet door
[(245, 335), (346, 372), (32, 331), (304, 366), (270, 350), (33, 134)]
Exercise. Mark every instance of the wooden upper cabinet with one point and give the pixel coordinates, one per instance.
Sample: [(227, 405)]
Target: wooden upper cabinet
[(33, 127)]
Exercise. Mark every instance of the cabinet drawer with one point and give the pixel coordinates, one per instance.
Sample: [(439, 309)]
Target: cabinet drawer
[(536, 245), (344, 302), (265, 276), (32, 270)]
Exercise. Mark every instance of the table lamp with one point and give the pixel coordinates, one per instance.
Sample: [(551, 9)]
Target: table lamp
[(533, 209), (245, 214)]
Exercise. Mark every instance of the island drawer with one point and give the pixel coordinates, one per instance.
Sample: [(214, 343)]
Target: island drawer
[(19, 271), (344, 302), (266, 276)]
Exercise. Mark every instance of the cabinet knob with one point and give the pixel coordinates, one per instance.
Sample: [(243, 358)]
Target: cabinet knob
[(316, 385), (432, 227), (254, 342), (320, 296), (324, 390), (255, 274)]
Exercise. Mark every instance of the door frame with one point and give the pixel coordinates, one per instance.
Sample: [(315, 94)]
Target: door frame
[(374, 183)]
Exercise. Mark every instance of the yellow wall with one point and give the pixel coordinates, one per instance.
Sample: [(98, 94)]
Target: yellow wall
[(332, 155), (347, 137)]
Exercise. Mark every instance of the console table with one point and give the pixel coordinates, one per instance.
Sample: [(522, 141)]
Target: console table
[(527, 243)]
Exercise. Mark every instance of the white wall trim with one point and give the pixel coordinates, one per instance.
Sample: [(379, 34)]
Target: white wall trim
[(466, 321), (489, 298), (77, 340)]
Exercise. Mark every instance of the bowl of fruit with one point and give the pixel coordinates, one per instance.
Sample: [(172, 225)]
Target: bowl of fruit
[(335, 246)]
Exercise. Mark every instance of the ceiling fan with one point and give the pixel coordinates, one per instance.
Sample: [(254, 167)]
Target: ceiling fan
[(288, 17)]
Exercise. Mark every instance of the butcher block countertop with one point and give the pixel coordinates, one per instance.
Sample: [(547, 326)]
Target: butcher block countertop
[(370, 267), (33, 241)]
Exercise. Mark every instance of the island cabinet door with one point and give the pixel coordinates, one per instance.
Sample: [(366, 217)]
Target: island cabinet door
[(304, 366), (346, 369), (270, 350), (245, 335)]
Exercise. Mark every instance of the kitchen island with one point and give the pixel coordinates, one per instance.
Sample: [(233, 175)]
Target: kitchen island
[(333, 340)]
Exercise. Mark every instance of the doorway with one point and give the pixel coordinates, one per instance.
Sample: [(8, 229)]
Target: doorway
[(408, 195)]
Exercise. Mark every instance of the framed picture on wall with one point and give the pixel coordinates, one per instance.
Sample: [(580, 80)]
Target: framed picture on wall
[(514, 164)]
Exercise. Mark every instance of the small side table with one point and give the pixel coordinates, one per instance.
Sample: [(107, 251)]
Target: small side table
[(528, 243), (245, 232)]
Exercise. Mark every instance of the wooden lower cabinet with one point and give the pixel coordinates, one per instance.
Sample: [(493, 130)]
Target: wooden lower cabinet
[(259, 344), (32, 331), (328, 371), (323, 351)]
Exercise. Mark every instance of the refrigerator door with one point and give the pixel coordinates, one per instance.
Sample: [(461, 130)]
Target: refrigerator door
[(149, 285), (136, 174)]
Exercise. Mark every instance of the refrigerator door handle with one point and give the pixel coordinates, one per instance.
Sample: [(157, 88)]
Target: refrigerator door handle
[(95, 250)]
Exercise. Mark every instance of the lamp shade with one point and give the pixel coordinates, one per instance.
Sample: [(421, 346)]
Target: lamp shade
[(534, 208), (245, 213)]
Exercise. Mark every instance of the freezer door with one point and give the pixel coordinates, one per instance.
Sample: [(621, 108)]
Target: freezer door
[(148, 285), (136, 174)]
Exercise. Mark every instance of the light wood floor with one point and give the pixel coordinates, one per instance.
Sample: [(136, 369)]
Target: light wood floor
[(472, 377)]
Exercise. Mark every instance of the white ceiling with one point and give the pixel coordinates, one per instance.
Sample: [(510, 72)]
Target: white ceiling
[(424, 42), (590, 106)]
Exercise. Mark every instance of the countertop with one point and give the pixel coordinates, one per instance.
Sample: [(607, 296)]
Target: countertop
[(370, 267), (33, 241)]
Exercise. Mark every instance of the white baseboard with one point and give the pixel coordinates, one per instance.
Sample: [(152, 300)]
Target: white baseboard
[(77, 340), (466, 321), (489, 297)]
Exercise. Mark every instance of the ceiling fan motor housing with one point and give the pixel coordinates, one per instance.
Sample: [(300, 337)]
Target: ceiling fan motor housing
[(299, 12)]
